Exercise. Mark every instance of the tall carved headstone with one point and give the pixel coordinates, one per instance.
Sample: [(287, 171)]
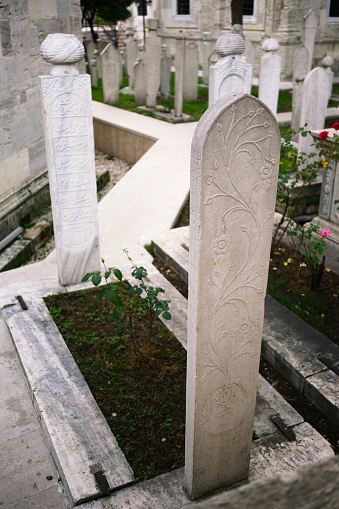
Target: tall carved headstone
[(68, 125), (179, 74), (310, 28), (300, 69), (191, 69), (165, 73), (270, 70), (90, 48), (234, 170), (329, 196), (94, 68), (152, 61), (206, 52), (110, 70), (327, 63), (130, 56), (313, 108), (140, 78), (231, 73)]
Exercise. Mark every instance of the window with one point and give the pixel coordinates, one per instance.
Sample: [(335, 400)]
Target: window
[(142, 9), (248, 8), (332, 11), (182, 10), (183, 7)]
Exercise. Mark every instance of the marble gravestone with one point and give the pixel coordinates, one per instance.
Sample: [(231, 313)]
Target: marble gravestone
[(269, 79), (179, 74), (206, 52), (152, 62), (191, 69), (310, 28), (110, 69), (130, 57), (300, 69), (231, 73), (313, 108), (327, 63), (94, 68), (329, 197), (165, 73), (140, 78), (68, 125), (234, 170)]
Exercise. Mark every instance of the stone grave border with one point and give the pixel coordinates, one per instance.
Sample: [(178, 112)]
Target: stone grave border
[(60, 395)]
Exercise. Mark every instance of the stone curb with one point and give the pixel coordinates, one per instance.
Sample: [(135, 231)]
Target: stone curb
[(289, 344)]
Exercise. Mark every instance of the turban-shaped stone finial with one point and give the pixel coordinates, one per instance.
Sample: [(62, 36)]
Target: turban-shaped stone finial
[(62, 49)]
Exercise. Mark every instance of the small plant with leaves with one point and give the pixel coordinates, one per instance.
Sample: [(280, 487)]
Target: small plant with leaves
[(310, 246), (149, 303)]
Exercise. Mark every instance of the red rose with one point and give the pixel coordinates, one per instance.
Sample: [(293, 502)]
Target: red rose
[(336, 126), (323, 135)]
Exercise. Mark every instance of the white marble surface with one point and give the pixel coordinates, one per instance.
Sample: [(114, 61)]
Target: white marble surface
[(191, 69), (313, 108), (234, 169), (110, 68), (270, 70), (70, 154), (152, 62)]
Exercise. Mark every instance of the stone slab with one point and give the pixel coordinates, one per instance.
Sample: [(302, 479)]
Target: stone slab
[(323, 390), (269, 402), (314, 486), (270, 455), (60, 395), (290, 345), (293, 346)]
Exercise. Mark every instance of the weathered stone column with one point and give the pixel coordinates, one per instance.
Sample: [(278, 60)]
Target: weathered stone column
[(110, 69), (300, 69), (270, 70), (327, 63), (140, 78), (234, 170), (231, 73), (152, 61), (130, 56), (68, 125), (179, 74), (94, 68), (206, 52), (165, 72), (311, 24), (191, 70)]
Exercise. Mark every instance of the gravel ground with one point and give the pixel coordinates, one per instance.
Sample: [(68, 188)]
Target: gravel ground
[(117, 169)]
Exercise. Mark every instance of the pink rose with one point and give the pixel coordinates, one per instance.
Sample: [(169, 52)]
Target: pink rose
[(326, 232)]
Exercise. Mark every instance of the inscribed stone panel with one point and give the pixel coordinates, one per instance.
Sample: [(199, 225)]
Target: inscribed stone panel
[(234, 169)]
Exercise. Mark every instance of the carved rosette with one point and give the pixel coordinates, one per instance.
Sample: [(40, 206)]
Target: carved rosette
[(236, 214)]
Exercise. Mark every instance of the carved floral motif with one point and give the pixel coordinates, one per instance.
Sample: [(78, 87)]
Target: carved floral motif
[(236, 269)]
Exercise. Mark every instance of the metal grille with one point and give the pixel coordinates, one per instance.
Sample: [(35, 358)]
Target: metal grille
[(334, 9), (248, 8), (183, 7)]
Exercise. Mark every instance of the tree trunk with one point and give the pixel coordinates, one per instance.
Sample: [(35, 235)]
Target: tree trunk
[(236, 11)]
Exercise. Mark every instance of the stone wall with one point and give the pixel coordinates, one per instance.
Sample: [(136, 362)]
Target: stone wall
[(24, 24), (280, 19)]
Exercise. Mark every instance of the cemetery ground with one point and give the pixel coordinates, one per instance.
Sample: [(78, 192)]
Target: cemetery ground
[(194, 109), (150, 424)]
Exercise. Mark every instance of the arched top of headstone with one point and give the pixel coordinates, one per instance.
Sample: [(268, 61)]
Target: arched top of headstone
[(270, 45), (62, 49), (238, 29), (230, 44), (152, 23), (327, 61)]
